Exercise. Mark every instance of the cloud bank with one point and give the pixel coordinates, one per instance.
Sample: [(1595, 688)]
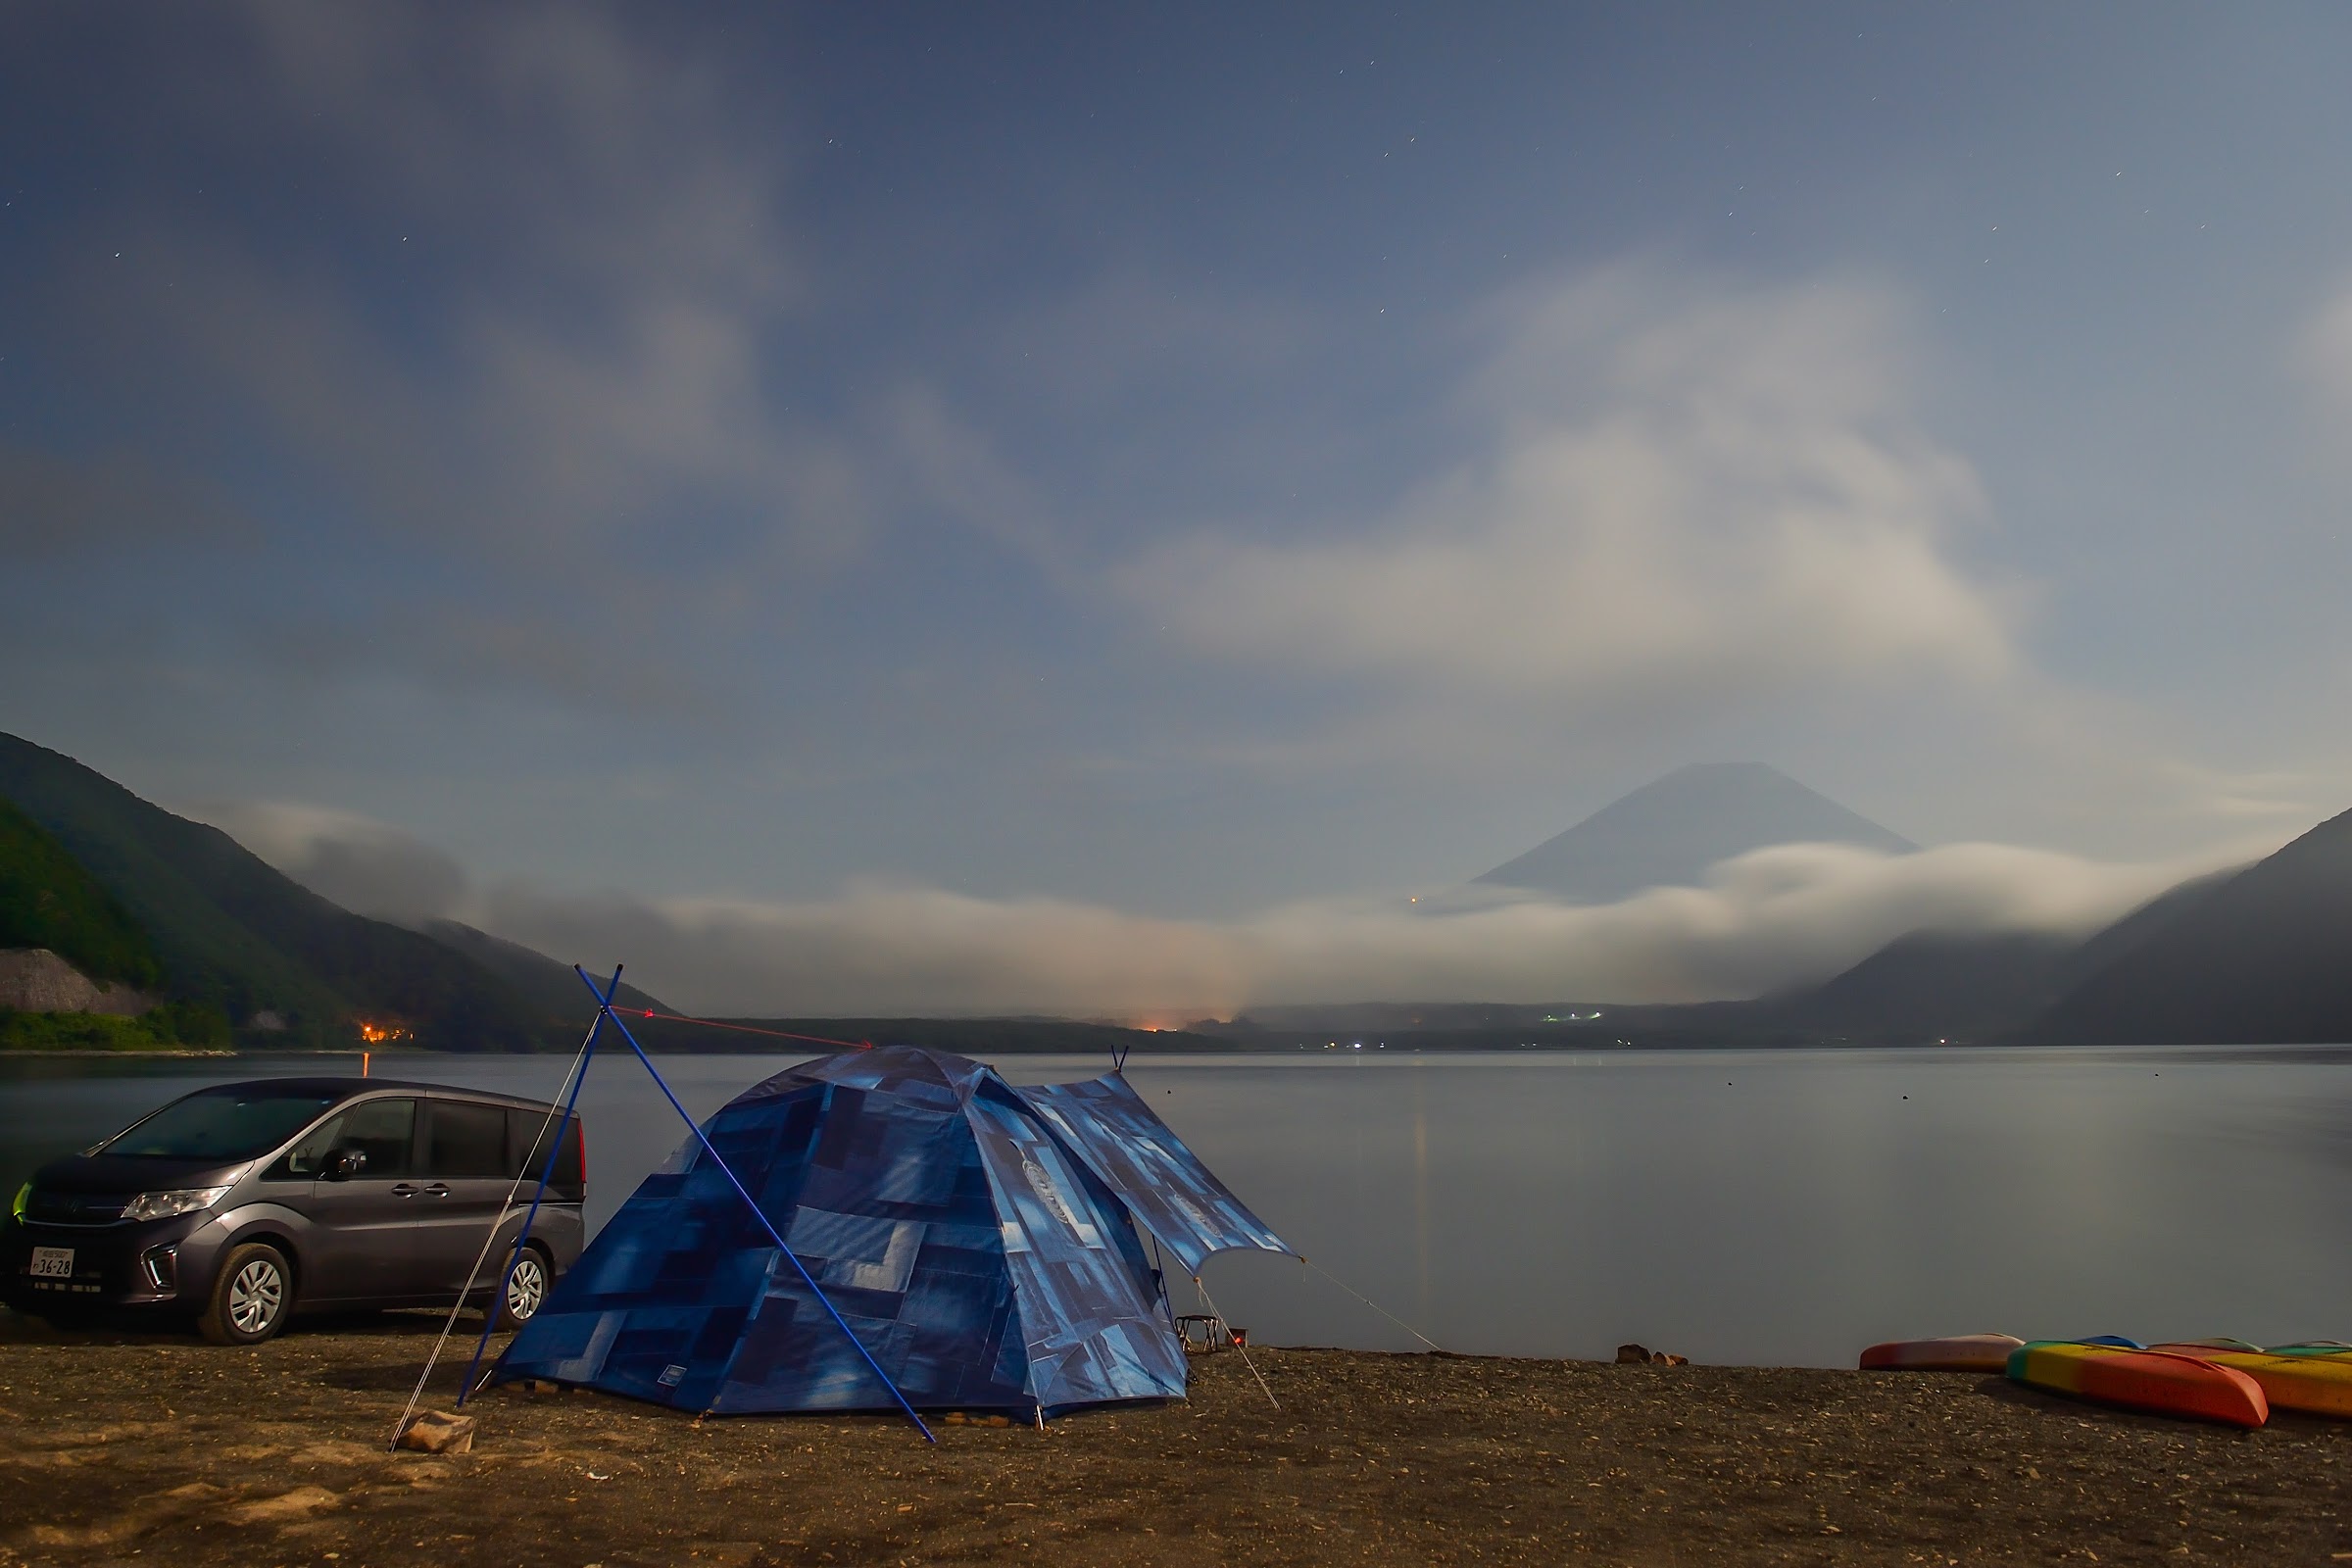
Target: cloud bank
[(368, 867), (1770, 918)]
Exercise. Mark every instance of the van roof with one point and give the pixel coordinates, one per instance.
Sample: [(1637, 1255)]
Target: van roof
[(341, 1086)]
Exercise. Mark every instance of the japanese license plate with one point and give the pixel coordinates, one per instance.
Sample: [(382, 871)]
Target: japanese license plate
[(53, 1262)]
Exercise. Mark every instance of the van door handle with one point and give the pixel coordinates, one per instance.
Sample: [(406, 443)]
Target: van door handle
[(403, 1189), (436, 1189)]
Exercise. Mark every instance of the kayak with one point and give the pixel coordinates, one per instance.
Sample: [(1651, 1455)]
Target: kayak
[(2319, 1384), (2159, 1381), (2312, 1348), (1961, 1353)]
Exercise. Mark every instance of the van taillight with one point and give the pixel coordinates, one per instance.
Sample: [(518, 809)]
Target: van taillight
[(579, 1142)]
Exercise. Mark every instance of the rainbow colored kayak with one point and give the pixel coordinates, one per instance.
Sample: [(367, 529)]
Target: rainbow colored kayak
[(2319, 1384), (2159, 1381), (1961, 1353)]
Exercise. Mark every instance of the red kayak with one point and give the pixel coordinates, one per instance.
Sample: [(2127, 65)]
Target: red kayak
[(2159, 1381), (1961, 1353)]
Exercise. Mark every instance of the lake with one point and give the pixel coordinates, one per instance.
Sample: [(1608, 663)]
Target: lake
[(1769, 1207)]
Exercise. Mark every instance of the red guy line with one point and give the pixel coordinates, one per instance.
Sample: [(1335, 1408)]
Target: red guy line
[(745, 1028)]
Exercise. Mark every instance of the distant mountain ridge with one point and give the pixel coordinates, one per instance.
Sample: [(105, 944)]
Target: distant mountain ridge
[(2250, 955), (548, 987), (228, 932), (1933, 985), (2257, 959), (1668, 832), (123, 889)]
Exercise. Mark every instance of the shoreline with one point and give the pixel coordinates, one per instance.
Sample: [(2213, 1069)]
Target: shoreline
[(667, 1049), (44, 1054), (222, 1457)]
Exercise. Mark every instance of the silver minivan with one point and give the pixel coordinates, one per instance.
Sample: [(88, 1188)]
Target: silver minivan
[(241, 1205)]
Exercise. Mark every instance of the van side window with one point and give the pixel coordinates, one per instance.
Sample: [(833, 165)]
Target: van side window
[(530, 1132), (466, 1140), (380, 1129), (304, 1161), (301, 1162)]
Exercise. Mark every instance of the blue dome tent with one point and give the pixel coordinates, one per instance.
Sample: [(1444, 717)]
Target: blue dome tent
[(974, 1236)]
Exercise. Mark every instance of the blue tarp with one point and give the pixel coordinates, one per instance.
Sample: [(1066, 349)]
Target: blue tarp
[(974, 1236)]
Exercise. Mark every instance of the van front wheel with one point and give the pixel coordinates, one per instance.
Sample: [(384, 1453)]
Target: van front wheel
[(252, 1297)]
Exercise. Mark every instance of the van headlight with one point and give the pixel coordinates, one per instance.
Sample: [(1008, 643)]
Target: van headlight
[(24, 1197), (163, 1205)]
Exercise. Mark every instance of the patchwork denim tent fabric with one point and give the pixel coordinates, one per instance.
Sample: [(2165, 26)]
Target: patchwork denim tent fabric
[(1171, 1194), (977, 1244)]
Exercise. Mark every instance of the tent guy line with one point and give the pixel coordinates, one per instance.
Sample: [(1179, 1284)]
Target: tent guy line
[(570, 1091), (1367, 1300), (745, 1028), (547, 1171), (604, 1004), (1239, 1342)]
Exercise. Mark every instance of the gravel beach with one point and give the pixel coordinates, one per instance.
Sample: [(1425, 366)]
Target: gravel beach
[(119, 1448)]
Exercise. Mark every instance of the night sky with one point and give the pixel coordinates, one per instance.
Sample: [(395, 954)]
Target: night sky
[(974, 506)]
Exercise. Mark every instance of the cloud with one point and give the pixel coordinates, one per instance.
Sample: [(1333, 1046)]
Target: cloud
[(2327, 347), (878, 948), (601, 371), (366, 866), (538, 381), (52, 505), (1767, 920), (1693, 500), (554, 134), (455, 651), (953, 468), (2322, 354)]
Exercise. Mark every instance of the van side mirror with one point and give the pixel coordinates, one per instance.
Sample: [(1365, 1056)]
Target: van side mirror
[(345, 1163)]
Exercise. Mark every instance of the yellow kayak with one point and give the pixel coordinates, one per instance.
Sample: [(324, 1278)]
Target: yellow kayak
[(2320, 1384)]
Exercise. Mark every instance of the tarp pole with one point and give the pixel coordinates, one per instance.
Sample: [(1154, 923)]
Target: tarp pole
[(605, 1004), (546, 1170)]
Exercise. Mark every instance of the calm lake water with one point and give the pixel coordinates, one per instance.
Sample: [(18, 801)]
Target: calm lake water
[(1751, 1207)]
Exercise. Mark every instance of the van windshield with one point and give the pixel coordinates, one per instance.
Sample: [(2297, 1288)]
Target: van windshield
[(235, 1122)]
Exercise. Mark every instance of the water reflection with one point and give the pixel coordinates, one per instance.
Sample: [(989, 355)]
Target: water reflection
[(1421, 1197), (1757, 1207)]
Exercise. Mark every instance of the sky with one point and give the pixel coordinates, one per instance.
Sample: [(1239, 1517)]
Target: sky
[(1090, 508)]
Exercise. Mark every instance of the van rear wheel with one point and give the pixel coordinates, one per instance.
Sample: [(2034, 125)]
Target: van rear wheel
[(253, 1295), (526, 1289)]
